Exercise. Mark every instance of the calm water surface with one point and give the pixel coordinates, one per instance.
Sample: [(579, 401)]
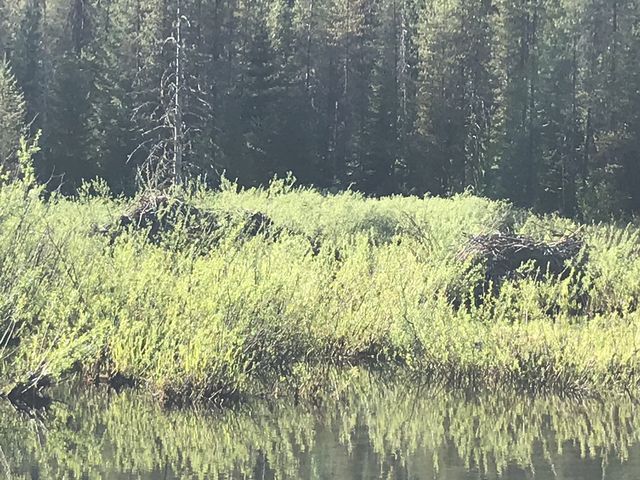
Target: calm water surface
[(366, 429)]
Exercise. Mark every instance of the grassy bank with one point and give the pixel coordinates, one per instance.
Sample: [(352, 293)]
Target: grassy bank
[(342, 279)]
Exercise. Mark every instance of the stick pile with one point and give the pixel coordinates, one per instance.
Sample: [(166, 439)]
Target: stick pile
[(159, 215), (504, 253)]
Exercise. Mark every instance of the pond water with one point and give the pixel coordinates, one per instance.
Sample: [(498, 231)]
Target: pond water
[(365, 428)]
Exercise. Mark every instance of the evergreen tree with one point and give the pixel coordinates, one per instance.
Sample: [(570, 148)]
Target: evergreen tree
[(531, 100), (262, 91), (518, 129), (70, 158), (456, 94), (31, 59), (12, 120), (559, 109)]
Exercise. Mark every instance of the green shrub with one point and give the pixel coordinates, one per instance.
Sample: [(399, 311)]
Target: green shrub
[(347, 279)]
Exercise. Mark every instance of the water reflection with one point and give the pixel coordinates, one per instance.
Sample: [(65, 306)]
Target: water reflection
[(366, 429)]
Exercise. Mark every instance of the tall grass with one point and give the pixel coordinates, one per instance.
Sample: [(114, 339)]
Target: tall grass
[(347, 279)]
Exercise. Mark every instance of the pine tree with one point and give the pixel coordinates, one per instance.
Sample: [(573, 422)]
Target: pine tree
[(627, 81), (456, 95), (67, 142), (518, 122), (31, 58), (604, 143), (559, 109), (262, 99), (6, 29), (112, 132), (380, 139), (12, 120)]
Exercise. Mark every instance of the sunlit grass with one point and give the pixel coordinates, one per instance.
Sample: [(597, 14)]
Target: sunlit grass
[(239, 318)]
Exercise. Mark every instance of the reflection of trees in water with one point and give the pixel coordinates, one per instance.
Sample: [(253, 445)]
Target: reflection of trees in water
[(365, 428)]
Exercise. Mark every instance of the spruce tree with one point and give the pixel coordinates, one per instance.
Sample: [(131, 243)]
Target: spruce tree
[(12, 120)]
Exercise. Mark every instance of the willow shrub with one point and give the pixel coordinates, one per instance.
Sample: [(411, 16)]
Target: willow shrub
[(242, 317)]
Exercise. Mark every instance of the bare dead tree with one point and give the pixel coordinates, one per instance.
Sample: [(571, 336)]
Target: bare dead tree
[(178, 128), (182, 106)]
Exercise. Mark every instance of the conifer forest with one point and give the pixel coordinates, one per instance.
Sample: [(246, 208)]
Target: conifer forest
[(534, 101)]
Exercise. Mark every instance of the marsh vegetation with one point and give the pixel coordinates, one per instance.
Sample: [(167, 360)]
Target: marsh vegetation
[(218, 307)]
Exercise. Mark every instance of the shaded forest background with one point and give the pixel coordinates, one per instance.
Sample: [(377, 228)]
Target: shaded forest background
[(536, 101)]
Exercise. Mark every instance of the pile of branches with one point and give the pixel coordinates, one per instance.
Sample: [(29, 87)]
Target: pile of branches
[(158, 214), (503, 254), (257, 223)]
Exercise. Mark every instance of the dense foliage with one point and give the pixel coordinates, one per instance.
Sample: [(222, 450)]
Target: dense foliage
[(536, 101), (337, 278)]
